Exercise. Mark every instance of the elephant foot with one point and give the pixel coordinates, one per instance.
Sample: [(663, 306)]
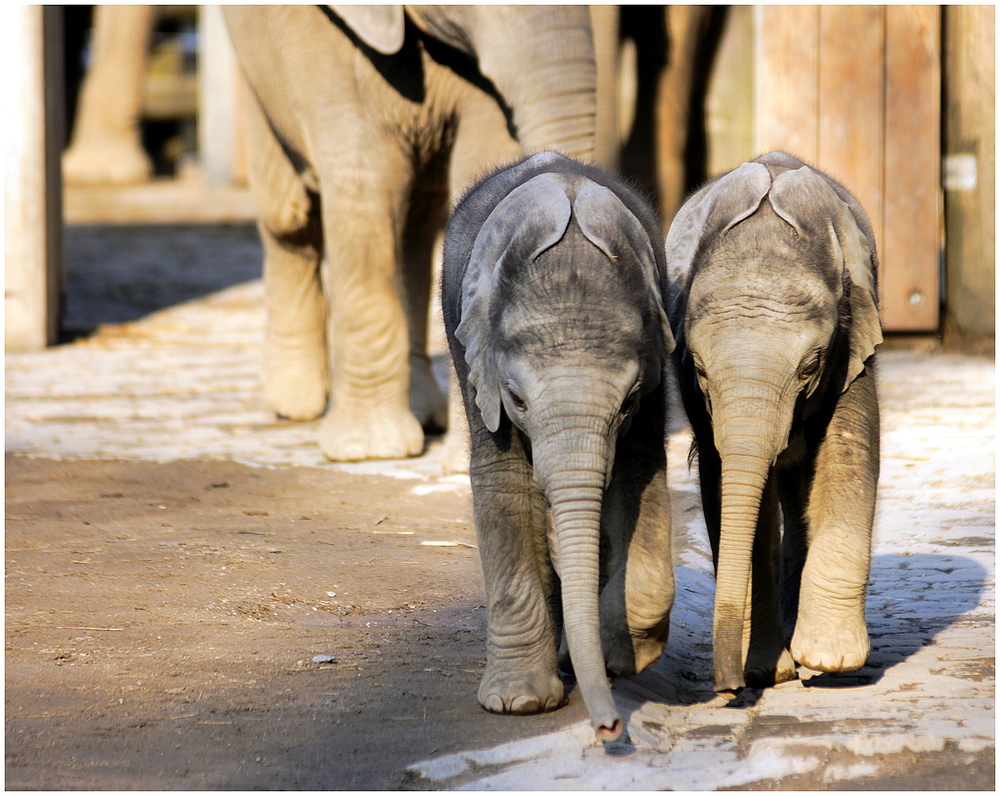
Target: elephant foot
[(828, 646), (350, 434), (106, 162), (520, 692), (427, 402), (454, 455), (763, 675), (295, 382)]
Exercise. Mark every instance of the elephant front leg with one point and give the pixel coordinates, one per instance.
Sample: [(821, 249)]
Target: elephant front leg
[(830, 632), (510, 511), (369, 415)]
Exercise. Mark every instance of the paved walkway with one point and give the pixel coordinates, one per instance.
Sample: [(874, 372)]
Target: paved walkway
[(183, 383)]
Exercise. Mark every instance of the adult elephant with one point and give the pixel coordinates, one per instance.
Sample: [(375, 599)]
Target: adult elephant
[(362, 122)]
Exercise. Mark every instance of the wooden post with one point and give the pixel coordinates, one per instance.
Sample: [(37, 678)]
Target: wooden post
[(969, 170), (33, 262), (220, 131)]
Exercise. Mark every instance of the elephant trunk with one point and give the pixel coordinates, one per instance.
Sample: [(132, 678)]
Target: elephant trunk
[(544, 67), (752, 424), (572, 469)]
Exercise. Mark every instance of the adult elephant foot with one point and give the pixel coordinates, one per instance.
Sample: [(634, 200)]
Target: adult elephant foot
[(106, 162), (352, 432), (825, 644), (295, 380), (514, 690), (427, 402)]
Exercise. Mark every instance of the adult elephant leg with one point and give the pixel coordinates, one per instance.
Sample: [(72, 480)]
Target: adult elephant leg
[(831, 634), (295, 363), (106, 145), (637, 598), (767, 660), (364, 210), (428, 212), (604, 21), (685, 26), (511, 521)]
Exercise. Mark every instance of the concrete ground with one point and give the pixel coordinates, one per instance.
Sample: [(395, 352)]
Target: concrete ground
[(170, 381)]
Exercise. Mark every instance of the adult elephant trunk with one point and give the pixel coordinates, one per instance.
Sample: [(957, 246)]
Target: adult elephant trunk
[(572, 467), (752, 422), (541, 59)]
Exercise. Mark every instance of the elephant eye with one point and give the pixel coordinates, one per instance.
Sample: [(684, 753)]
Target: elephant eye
[(809, 367), (517, 400), (631, 401)]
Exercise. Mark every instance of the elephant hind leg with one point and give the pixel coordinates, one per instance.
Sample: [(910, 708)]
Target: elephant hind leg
[(639, 595), (295, 362), (767, 659)]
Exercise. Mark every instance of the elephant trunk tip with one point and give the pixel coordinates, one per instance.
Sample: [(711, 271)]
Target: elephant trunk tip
[(729, 682), (609, 730)]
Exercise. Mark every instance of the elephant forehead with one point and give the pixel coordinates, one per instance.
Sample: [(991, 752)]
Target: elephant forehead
[(739, 289)]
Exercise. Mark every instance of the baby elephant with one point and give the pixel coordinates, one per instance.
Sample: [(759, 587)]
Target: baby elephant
[(773, 273), (552, 294)]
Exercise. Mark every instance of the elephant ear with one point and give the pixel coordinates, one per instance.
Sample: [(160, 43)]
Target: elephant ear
[(607, 223), (530, 219), (807, 200), (716, 208), (380, 27)]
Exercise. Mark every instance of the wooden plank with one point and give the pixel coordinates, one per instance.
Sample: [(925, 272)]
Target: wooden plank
[(787, 102), (970, 170), (911, 238), (850, 103)]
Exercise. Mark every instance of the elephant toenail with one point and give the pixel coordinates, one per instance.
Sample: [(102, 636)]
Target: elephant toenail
[(353, 452), (524, 704), (494, 704), (392, 450)]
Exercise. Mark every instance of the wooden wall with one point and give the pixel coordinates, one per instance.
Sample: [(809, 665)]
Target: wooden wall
[(854, 90)]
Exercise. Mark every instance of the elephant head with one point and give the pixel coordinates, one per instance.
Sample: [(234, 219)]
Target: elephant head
[(564, 332), (773, 271), (539, 58)]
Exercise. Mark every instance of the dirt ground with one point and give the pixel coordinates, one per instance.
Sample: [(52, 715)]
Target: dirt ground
[(209, 625), (165, 634), (205, 624)]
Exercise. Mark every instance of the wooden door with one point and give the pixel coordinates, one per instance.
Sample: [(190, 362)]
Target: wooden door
[(856, 90)]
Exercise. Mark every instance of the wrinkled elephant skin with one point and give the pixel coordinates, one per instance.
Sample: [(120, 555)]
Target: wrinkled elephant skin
[(552, 299), (362, 123), (773, 279)]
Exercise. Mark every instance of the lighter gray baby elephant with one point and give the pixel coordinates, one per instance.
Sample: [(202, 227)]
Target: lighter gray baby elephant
[(773, 301), (552, 295)]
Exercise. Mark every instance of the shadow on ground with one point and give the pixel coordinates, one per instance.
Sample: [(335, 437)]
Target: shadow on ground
[(120, 273)]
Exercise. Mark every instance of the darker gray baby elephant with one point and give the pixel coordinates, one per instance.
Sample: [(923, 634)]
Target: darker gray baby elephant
[(552, 294), (773, 271)]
